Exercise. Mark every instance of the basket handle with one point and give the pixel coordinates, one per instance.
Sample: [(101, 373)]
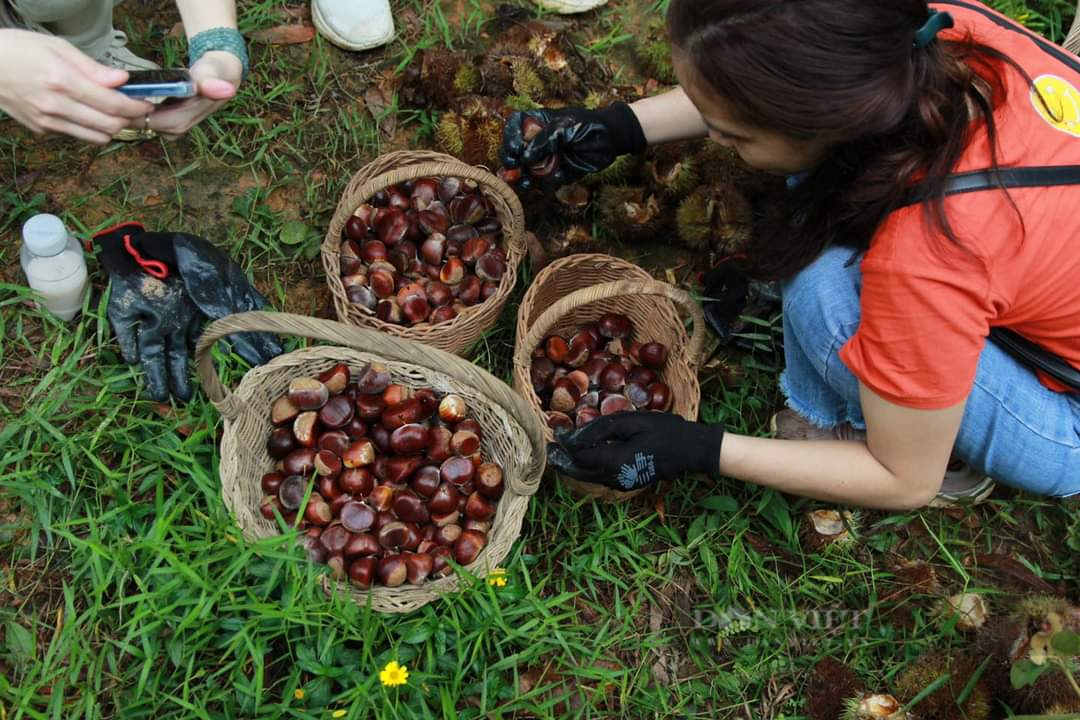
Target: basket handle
[(585, 296), (378, 343)]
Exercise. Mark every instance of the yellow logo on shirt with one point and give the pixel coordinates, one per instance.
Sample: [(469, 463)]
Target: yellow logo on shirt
[(1058, 103)]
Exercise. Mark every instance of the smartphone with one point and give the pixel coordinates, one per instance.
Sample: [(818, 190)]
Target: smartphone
[(158, 84)]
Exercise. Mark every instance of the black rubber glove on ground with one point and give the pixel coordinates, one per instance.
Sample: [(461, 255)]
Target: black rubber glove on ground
[(725, 296), (157, 321), (583, 141), (632, 450)]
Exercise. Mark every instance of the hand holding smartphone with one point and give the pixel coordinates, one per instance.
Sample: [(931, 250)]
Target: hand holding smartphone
[(159, 84)]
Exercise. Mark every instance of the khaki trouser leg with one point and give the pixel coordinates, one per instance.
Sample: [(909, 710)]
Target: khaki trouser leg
[(86, 24)]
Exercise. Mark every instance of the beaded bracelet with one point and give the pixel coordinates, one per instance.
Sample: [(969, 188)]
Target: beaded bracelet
[(221, 38)]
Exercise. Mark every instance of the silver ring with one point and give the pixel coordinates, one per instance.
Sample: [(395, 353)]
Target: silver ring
[(146, 133)]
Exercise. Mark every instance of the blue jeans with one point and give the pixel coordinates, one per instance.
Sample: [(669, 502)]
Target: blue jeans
[(1014, 429)]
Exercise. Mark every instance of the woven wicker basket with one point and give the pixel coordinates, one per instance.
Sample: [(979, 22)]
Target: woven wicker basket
[(513, 436), (460, 333), (578, 289)]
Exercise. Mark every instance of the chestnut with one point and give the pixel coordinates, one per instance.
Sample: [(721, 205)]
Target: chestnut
[(327, 464), (468, 209), (339, 502), (462, 234), (540, 372), (489, 481), (435, 219), (613, 377), (283, 411), (638, 395), (464, 442), (413, 537), (556, 349), (336, 563), (353, 272), (565, 396), (292, 491), (337, 412), (373, 379), (393, 535), (334, 538), (396, 394), (424, 192), (355, 228), (389, 311), (613, 404), (614, 326), (472, 425), (447, 534), (593, 368), (490, 268), (474, 248), (382, 519), (359, 454), (357, 481), (399, 470), (487, 290), (380, 437), (449, 187), (299, 462), (370, 407), (335, 378), (578, 354), (306, 428), (445, 499), (397, 197), (380, 199), (440, 561), (361, 572), (336, 441), (426, 481), (452, 409), (362, 543), (271, 482), (559, 421), (415, 310), (661, 397), (281, 443), (443, 314), (642, 376), (468, 546), (409, 507), (469, 290), (392, 226), (418, 567), (392, 571), (357, 517), (453, 272), (382, 283), (356, 429), (362, 296), (439, 295), (402, 413), (451, 518), (269, 505), (590, 399), (318, 511), (308, 393), (439, 444), (457, 470), (478, 507), (616, 349), (653, 355), (366, 213), (427, 544), (579, 380), (429, 402), (329, 489), (314, 549), (373, 251)]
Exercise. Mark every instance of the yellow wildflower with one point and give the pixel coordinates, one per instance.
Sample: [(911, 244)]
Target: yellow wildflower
[(298, 693), (339, 713), (393, 674), (497, 577)]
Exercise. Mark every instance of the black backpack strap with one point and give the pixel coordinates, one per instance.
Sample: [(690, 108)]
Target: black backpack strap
[(1036, 356)]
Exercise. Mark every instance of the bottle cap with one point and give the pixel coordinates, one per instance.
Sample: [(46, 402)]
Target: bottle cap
[(45, 234)]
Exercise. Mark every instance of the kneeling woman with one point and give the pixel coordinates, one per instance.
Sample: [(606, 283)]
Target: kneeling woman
[(893, 279)]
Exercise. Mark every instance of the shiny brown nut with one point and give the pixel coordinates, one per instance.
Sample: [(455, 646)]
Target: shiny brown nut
[(653, 355), (433, 250), (427, 544), (478, 507), (337, 565), (424, 192), (594, 368), (373, 379), (449, 187), (358, 481), (396, 394), (313, 548), (451, 518), (439, 444), (269, 505), (389, 312), (487, 290), (357, 517), (308, 393), (468, 546), (453, 272), (360, 454), (638, 395), (355, 228), (299, 462), (469, 290), (356, 429), (374, 251), (292, 491), (362, 544), (439, 294), (398, 197), (401, 258), (579, 380), (353, 272), (565, 396), (370, 407), (661, 397), (336, 441), (429, 402), (391, 227), (464, 442), (366, 213), (615, 403), (380, 199), (614, 326), (283, 411), (474, 248), (587, 339), (393, 535), (590, 399), (442, 314), (559, 421), (415, 310), (435, 219), (490, 268), (361, 572), (411, 439), (402, 413), (318, 511), (327, 464), (445, 499), (426, 481), (556, 349), (306, 428), (584, 416), (362, 296), (412, 540), (613, 377), (457, 470), (440, 559), (382, 519), (452, 409), (540, 372), (337, 412), (392, 571), (578, 353), (489, 481), (642, 376), (281, 443), (272, 481), (480, 526), (400, 469), (337, 503), (447, 534), (418, 566), (336, 378), (409, 290), (409, 507), (380, 436), (382, 283), (462, 234), (468, 208)]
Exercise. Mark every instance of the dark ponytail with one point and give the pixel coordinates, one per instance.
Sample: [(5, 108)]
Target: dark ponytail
[(846, 72)]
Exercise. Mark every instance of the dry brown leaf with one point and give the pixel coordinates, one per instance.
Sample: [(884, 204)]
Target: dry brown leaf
[(285, 35)]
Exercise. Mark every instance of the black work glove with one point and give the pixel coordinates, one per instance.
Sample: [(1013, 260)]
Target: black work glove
[(631, 450), (582, 141), (157, 321), (726, 294)]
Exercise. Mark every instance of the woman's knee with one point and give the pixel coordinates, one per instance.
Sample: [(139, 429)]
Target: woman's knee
[(823, 299)]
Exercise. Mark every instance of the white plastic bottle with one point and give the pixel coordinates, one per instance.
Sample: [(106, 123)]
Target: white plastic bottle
[(54, 265)]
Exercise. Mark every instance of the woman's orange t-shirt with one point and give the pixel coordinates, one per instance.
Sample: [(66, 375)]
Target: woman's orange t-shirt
[(928, 305)]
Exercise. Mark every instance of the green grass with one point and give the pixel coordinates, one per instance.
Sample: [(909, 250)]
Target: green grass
[(127, 591)]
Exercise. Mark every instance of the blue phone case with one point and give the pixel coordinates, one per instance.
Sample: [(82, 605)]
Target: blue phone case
[(168, 89)]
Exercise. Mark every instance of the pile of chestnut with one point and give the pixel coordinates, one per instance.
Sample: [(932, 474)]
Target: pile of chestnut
[(390, 479), (598, 371), (422, 251)]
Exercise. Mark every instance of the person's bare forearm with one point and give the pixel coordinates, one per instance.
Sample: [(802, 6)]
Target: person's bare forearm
[(199, 15), (669, 117), (839, 472)]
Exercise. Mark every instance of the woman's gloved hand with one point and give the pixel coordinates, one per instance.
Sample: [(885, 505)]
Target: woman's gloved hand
[(632, 450), (725, 296), (164, 286), (573, 142)]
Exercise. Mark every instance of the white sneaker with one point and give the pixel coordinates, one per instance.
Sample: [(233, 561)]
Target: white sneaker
[(354, 24), (115, 54), (570, 7), (962, 486)]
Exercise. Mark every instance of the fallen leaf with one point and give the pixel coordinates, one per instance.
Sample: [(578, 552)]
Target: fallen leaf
[(285, 35), (1014, 570), (378, 102)]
